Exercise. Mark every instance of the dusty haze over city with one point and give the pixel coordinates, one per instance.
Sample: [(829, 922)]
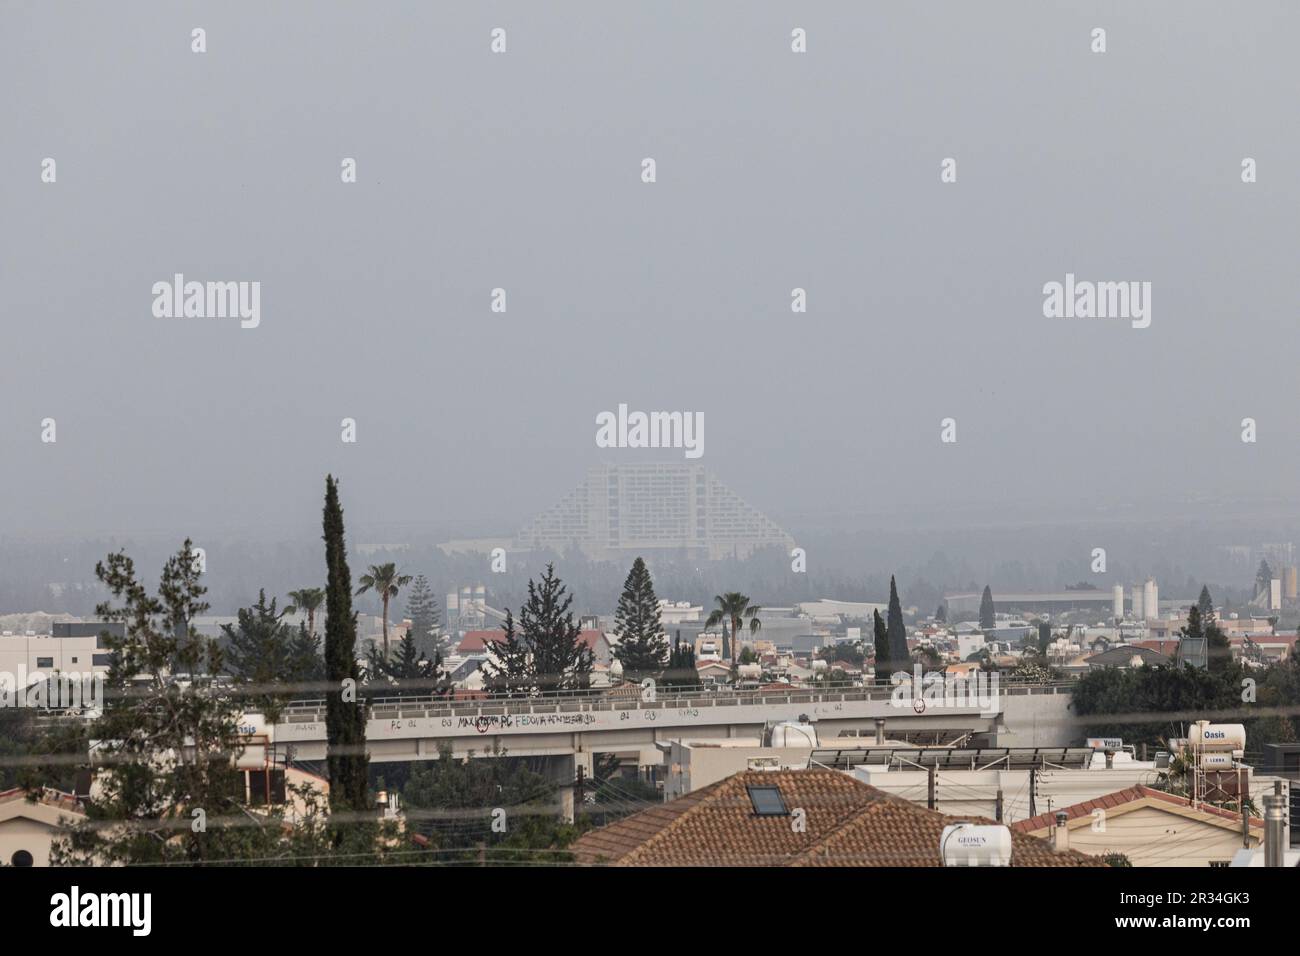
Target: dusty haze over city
[(774, 172)]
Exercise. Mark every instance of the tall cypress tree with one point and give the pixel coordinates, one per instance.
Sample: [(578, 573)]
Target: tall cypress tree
[(988, 614), (880, 638), (896, 633), (561, 661), (681, 670), (641, 642), (345, 714)]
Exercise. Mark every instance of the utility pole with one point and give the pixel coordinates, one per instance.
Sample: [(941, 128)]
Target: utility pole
[(577, 791), (1033, 785), (931, 787)]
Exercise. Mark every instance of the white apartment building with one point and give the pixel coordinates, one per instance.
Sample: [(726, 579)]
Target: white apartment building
[(675, 508)]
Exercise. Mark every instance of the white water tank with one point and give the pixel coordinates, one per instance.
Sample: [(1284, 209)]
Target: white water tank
[(1117, 602), (1204, 735), (787, 733), (256, 734), (966, 844), (1135, 595)]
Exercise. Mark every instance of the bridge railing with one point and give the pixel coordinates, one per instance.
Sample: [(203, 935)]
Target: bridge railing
[(599, 699)]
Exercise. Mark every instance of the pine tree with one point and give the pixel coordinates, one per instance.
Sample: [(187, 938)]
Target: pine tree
[(305, 663), (260, 650), (941, 615), (345, 713), (641, 644), (408, 673), (1205, 602), (1263, 580), (509, 668), (423, 610), (132, 810), (895, 632), (988, 613), (560, 659)]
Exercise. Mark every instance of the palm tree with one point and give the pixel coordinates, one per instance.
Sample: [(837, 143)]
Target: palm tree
[(732, 608), (308, 600), (386, 581)]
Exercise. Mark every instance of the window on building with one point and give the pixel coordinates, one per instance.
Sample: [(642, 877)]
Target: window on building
[(767, 802), (45, 662), (260, 786)]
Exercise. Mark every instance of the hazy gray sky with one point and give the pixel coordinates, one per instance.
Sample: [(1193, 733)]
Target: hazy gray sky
[(775, 170)]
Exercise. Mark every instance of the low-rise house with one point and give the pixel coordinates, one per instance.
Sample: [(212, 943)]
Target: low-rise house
[(713, 672), (1263, 648), (1127, 655), (1150, 828), (790, 818), (1169, 648), (28, 828)]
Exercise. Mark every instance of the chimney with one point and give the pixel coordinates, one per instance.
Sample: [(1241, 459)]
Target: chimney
[(1274, 829), (880, 730), (1061, 835)]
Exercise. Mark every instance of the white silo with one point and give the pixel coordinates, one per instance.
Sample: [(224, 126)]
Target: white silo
[(1150, 600), (1135, 597), (1117, 602)]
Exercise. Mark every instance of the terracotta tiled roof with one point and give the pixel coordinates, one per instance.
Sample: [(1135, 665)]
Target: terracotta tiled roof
[(1168, 648), (475, 641), (845, 823), (1121, 798)]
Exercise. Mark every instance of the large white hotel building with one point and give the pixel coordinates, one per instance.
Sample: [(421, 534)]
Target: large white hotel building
[(666, 508)]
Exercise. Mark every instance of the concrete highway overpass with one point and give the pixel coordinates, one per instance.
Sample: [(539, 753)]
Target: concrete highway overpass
[(413, 728)]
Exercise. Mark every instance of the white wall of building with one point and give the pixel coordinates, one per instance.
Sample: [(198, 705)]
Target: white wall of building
[(20, 654)]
